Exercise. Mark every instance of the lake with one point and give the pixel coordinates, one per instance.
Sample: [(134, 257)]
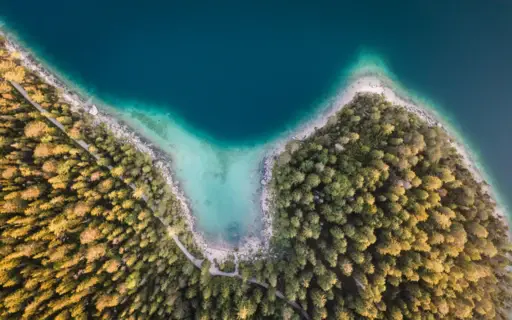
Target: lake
[(214, 84)]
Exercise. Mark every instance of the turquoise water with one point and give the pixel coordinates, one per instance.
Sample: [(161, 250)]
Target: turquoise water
[(222, 183), (214, 84)]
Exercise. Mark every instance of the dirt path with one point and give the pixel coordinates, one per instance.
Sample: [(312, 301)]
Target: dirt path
[(214, 271)]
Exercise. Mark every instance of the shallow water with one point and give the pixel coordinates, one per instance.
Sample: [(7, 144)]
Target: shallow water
[(213, 84), (221, 183)]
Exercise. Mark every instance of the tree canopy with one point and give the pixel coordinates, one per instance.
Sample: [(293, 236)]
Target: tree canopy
[(376, 217), (77, 241), (381, 219)]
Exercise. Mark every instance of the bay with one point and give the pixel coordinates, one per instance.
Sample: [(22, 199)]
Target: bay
[(225, 79)]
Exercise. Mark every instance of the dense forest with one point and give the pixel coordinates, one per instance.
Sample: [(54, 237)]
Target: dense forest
[(77, 242), (379, 218), (376, 217)]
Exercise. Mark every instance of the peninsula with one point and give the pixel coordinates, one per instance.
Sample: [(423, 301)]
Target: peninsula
[(372, 212)]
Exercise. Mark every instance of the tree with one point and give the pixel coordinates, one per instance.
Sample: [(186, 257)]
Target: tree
[(399, 211)]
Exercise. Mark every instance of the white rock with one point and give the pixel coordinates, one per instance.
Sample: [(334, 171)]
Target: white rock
[(93, 110)]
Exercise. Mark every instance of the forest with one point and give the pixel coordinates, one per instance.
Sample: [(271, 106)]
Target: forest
[(376, 216), (379, 218), (77, 242)]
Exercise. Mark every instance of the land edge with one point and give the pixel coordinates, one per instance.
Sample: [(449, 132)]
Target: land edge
[(360, 81), (122, 131), (198, 263), (375, 81)]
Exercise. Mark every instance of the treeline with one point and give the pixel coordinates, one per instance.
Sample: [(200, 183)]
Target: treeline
[(378, 218), (77, 241)]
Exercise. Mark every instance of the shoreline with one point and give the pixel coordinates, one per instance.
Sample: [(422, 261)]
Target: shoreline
[(250, 245), (373, 82), (123, 131)]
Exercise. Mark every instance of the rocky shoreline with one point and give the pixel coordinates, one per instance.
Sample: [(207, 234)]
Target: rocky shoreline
[(250, 245), (369, 82), (123, 131)]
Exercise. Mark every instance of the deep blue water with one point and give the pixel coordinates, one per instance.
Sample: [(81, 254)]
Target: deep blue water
[(239, 73)]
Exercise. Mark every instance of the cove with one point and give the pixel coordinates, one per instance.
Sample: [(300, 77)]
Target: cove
[(215, 85)]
